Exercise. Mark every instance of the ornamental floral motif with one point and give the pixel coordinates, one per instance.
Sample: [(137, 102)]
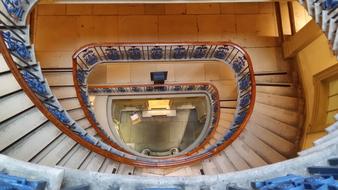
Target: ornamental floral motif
[(14, 8), (134, 53), (221, 52), (190, 88), (89, 139), (179, 52), (77, 129), (90, 57), (239, 118), (177, 88), (330, 4), (203, 87), (84, 97), (112, 54), (228, 135), (200, 52), (34, 83), (17, 46), (149, 88), (245, 100), (120, 89), (136, 89), (244, 83), (238, 64), (156, 52), (81, 76), (60, 115)]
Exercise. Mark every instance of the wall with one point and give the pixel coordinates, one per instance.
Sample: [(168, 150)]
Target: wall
[(100, 109), (61, 29), (332, 109), (301, 17), (313, 59)]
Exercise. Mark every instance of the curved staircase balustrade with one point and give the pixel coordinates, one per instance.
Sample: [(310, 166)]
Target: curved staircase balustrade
[(87, 57), (17, 11), (161, 89), (324, 13), (50, 107), (330, 28)]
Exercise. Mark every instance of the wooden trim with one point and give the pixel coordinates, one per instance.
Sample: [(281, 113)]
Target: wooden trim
[(321, 93), (301, 39), (279, 21), (292, 17)]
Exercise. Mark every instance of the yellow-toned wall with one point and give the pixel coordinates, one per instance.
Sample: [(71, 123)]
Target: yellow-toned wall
[(333, 101), (313, 59), (61, 29)]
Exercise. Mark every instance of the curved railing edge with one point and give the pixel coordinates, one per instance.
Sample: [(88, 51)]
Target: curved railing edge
[(252, 79), (213, 126)]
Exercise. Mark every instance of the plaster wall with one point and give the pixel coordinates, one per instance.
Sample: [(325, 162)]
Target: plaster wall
[(313, 59), (61, 29)]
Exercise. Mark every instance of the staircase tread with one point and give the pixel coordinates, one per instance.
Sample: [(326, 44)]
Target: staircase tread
[(236, 159), (21, 100), (250, 156), (281, 145), (39, 139), (13, 129), (52, 154), (282, 129), (287, 116), (262, 149)]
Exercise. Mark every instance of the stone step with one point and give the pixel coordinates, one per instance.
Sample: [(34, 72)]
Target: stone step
[(63, 92), (281, 145), (93, 162), (109, 166), (3, 65), (16, 128), (125, 169), (228, 104), (236, 159), (59, 78), (76, 114), (278, 90), (23, 149), (209, 167), (327, 137), (69, 104), (8, 84), (21, 102), (75, 157), (281, 129), (223, 163), (284, 102), (250, 156), (334, 126), (52, 154), (277, 78), (286, 116), (266, 152)]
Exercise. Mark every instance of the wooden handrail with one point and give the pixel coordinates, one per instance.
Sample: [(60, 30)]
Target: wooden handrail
[(123, 158), (214, 126), (214, 151)]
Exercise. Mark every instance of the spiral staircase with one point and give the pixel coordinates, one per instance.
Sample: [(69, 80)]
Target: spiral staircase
[(51, 125)]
